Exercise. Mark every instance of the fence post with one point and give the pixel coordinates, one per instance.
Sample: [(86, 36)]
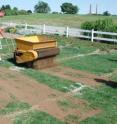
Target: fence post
[(0, 48), (67, 32), (0, 43), (92, 35), (26, 26), (44, 29)]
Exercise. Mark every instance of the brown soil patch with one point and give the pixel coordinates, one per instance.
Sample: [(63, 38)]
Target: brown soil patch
[(15, 86), (5, 121), (75, 75), (90, 114)]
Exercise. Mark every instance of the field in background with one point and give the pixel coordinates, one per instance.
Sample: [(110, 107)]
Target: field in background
[(55, 19), (73, 55)]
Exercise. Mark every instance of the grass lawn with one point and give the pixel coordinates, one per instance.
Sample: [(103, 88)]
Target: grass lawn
[(31, 117), (36, 117), (13, 107), (55, 19), (84, 46), (7, 46), (113, 76), (105, 98), (52, 81), (98, 64)]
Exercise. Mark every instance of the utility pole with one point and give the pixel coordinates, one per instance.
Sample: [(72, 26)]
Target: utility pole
[(90, 9), (96, 9)]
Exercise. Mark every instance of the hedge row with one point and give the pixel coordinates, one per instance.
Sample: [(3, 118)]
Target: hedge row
[(106, 25)]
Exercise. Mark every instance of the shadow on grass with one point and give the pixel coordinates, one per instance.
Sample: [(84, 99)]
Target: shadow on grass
[(113, 60), (112, 84), (11, 60)]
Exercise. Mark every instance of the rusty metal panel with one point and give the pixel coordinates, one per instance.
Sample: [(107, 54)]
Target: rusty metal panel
[(43, 53)]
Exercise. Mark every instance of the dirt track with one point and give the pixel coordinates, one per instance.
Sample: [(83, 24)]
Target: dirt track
[(75, 75), (15, 86), (5, 121)]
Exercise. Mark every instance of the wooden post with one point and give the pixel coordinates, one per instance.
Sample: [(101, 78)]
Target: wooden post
[(67, 32), (92, 35), (26, 26), (44, 29), (0, 43)]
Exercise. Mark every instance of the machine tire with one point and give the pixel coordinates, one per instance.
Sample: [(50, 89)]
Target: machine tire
[(14, 58), (30, 64)]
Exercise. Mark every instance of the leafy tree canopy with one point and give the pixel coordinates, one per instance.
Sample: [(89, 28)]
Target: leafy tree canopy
[(69, 8), (42, 7)]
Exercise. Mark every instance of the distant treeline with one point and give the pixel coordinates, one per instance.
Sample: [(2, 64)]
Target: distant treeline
[(14, 11), (40, 7), (43, 7)]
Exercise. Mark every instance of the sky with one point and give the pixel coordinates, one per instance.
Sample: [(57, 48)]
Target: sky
[(103, 5)]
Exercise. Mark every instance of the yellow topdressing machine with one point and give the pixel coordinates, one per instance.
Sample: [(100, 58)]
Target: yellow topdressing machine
[(37, 51)]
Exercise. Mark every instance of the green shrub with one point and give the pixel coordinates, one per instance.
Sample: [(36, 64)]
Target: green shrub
[(88, 26), (106, 25), (11, 30), (10, 12)]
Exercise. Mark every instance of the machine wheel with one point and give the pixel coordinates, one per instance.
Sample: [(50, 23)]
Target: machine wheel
[(30, 64), (14, 57)]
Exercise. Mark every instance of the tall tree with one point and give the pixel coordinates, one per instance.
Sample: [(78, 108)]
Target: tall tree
[(15, 9), (4, 7), (42, 7), (8, 7), (69, 8), (29, 11), (106, 13)]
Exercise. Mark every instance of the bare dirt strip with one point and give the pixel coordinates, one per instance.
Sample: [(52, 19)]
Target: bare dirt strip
[(75, 75), (16, 86), (5, 121)]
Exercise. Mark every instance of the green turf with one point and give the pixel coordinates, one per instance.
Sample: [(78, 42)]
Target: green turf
[(74, 46), (14, 106), (113, 76), (98, 64), (6, 63), (105, 99), (84, 46), (52, 81), (66, 105), (73, 51), (7, 46), (55, 19), (36, 117)]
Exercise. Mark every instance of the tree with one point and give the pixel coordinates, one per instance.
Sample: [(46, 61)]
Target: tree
[(3, 7), (22, 12), (42, 7), (8, 7), (29, 11), (15, 9), (106, 13), (69, 8)]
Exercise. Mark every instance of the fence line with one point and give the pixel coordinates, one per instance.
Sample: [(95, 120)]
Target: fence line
[(67, 31)]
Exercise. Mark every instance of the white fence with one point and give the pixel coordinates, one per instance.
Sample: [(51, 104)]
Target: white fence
[(68, 32)]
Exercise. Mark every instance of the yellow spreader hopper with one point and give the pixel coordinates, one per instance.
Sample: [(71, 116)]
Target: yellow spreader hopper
[(36, 51)]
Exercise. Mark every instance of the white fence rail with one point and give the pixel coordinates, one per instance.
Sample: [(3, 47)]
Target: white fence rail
[(67, 31)]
